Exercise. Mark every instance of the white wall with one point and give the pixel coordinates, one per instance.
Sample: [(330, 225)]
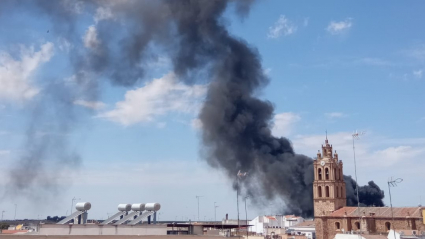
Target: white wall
[(93, 229)]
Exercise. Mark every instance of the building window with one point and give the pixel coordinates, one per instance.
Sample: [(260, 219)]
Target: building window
[(340, 192), (327, 191), (357, 225), (337, 225), (327, 173), (335, 176), (388, 226), (337, 191), (320, 173), (319, 191)]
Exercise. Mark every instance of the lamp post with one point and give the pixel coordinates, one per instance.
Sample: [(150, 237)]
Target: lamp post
[(215, 212), (356, 135), (246, 218), (72, 202), (198, 205), (393, 183), (239, 176), (16, 205)]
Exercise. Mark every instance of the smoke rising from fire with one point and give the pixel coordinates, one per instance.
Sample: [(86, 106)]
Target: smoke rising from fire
[(236, 129)]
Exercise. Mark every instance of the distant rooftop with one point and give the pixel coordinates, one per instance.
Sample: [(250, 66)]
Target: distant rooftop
[(384, 212)]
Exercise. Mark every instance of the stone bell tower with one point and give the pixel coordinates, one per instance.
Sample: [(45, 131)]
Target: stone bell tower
[(329, 185), (328, 188)]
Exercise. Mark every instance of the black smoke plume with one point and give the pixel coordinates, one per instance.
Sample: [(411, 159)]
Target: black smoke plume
[(236, 123)]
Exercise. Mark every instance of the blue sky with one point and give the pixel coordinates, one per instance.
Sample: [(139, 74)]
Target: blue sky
[(335, 66)]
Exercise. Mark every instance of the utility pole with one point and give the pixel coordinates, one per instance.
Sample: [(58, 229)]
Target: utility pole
[(198, 205), (16, 205), (215, 212), (239, 175), (393, 183), (2, 212), (356, 135), (246, 218)]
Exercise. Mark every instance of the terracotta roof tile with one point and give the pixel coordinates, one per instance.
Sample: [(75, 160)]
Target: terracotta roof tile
[(367, 236), (304, 224), (378, 212)]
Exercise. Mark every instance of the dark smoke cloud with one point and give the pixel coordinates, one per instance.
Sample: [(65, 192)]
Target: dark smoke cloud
[(47, 160), (369, 195), (236, 123)]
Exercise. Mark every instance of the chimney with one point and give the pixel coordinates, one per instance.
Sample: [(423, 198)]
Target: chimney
[(227, 216)]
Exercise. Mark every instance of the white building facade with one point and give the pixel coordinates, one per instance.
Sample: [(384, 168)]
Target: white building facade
[(276, 224)]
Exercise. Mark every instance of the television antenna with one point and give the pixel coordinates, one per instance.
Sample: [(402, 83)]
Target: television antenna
[(356, 135), (393, 183)]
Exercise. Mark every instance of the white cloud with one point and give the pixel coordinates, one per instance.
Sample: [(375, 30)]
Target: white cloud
[(418, 74), (267, 71), (103, 13), (281, 26), (392, 155), (309, 144), (76, 7), (156, 98), (15, 75), (417, 52), (334, 115), (284, 122), (160, 62), (374, 61), (371, 151), (196, 124), (90, 38), (64, 44), (4, 152), (306, 20), (95, 105), (339, 27), (161, 125)]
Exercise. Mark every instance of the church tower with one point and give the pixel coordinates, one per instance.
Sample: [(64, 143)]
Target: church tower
[(329, 186)]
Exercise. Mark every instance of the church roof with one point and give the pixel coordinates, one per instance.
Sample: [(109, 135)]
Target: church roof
[(305, 224), (384, 212)]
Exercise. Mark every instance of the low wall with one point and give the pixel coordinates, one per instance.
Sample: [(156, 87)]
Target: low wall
[(96, 229)]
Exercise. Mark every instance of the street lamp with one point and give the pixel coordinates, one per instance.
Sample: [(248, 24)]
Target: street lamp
[(197, 197), (215, 212), (239, 176), (72, 202), (246, 218), (393, 183)]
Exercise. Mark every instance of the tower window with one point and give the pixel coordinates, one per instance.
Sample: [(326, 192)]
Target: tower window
[(388, 226), (340, 192), (327, 191), (357, 225), (335, 176), (337, 191), (319, 191), (320, 173), (327, 173), (337, 225)]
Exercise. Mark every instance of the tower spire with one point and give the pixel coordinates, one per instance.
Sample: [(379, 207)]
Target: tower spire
[(326, 141)]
